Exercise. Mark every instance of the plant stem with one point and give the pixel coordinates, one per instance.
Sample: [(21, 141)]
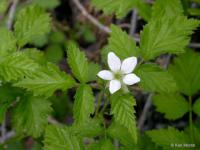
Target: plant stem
[(190, 119), (105, 105), (100, 96)]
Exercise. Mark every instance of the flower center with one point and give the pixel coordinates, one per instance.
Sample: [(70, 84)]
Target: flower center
[(118, 75)]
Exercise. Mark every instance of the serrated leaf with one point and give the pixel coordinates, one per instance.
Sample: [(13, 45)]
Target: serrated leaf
[(186, 72), (93, 71), (83, 104), (123, 111), (120, 133), (32, 21), (8, 95), (119, 7), (169, 8), (167, 137), (88, 128), (155, 79), (36, 55), (166, 35), (78, 63), (121, 43), (7, 42), (60, 138), (46, 81), (196, 107), (30, 115), (17, 65), (48, 4), (104, 144), (174, 106)]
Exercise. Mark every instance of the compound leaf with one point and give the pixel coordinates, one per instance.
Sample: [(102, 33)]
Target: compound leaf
[(46, 81), (174, 106), (123, 111), (30, 115), (78, 63), (32, 22), (155, 79)]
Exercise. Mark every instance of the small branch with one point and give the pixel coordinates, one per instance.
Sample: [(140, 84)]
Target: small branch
[(7, 136), (133, 22), (91, 18), (194, 45), (3, 131), (11, 14), (146, 108)]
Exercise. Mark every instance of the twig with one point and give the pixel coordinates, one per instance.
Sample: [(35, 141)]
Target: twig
[(12, 13), (194, 45), (148, 103), (144, 112), (3, 131), (133, 22), (90, 17), (7, 136)]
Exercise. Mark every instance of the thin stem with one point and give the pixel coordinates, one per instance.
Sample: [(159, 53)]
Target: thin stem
[(105, 105), (190, 119), (100, 96)]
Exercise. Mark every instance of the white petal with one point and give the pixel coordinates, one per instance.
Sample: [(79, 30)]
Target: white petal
[(131, 79), (128, 65), (114, 86), (114, 62), (106, 75)]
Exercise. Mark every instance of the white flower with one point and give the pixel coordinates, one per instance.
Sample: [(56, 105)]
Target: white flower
[(120, 73)]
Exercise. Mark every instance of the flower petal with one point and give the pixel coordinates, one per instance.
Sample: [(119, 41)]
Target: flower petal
[(128, 65), (114, 86), (106, 75), (114, 62), (131, 79)]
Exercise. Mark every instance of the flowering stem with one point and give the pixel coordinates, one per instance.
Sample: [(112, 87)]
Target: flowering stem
[(190, 119), (100, 96)]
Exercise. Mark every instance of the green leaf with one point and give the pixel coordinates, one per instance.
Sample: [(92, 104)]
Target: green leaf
[(155, 79), (93, 70), (78, 63), (167, 137), (30, 115), (54, 53), (121, 43), (83, 104), (166, 35), (8, 95), (123, 111), (174, 106), (7, 42), (186, 72), (46, 81), (119, 7), (120, 133), (169, 8), (32, 21), (17, 65), (35, 54), (3, 6), (104, 144), (88, 128), (60, 138), (196, 107), (48, 4)]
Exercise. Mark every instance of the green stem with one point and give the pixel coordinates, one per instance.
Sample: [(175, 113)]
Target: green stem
[(100, 96), (190, 119), (105, 105)]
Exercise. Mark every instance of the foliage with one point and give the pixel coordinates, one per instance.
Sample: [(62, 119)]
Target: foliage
[(51, 97)]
